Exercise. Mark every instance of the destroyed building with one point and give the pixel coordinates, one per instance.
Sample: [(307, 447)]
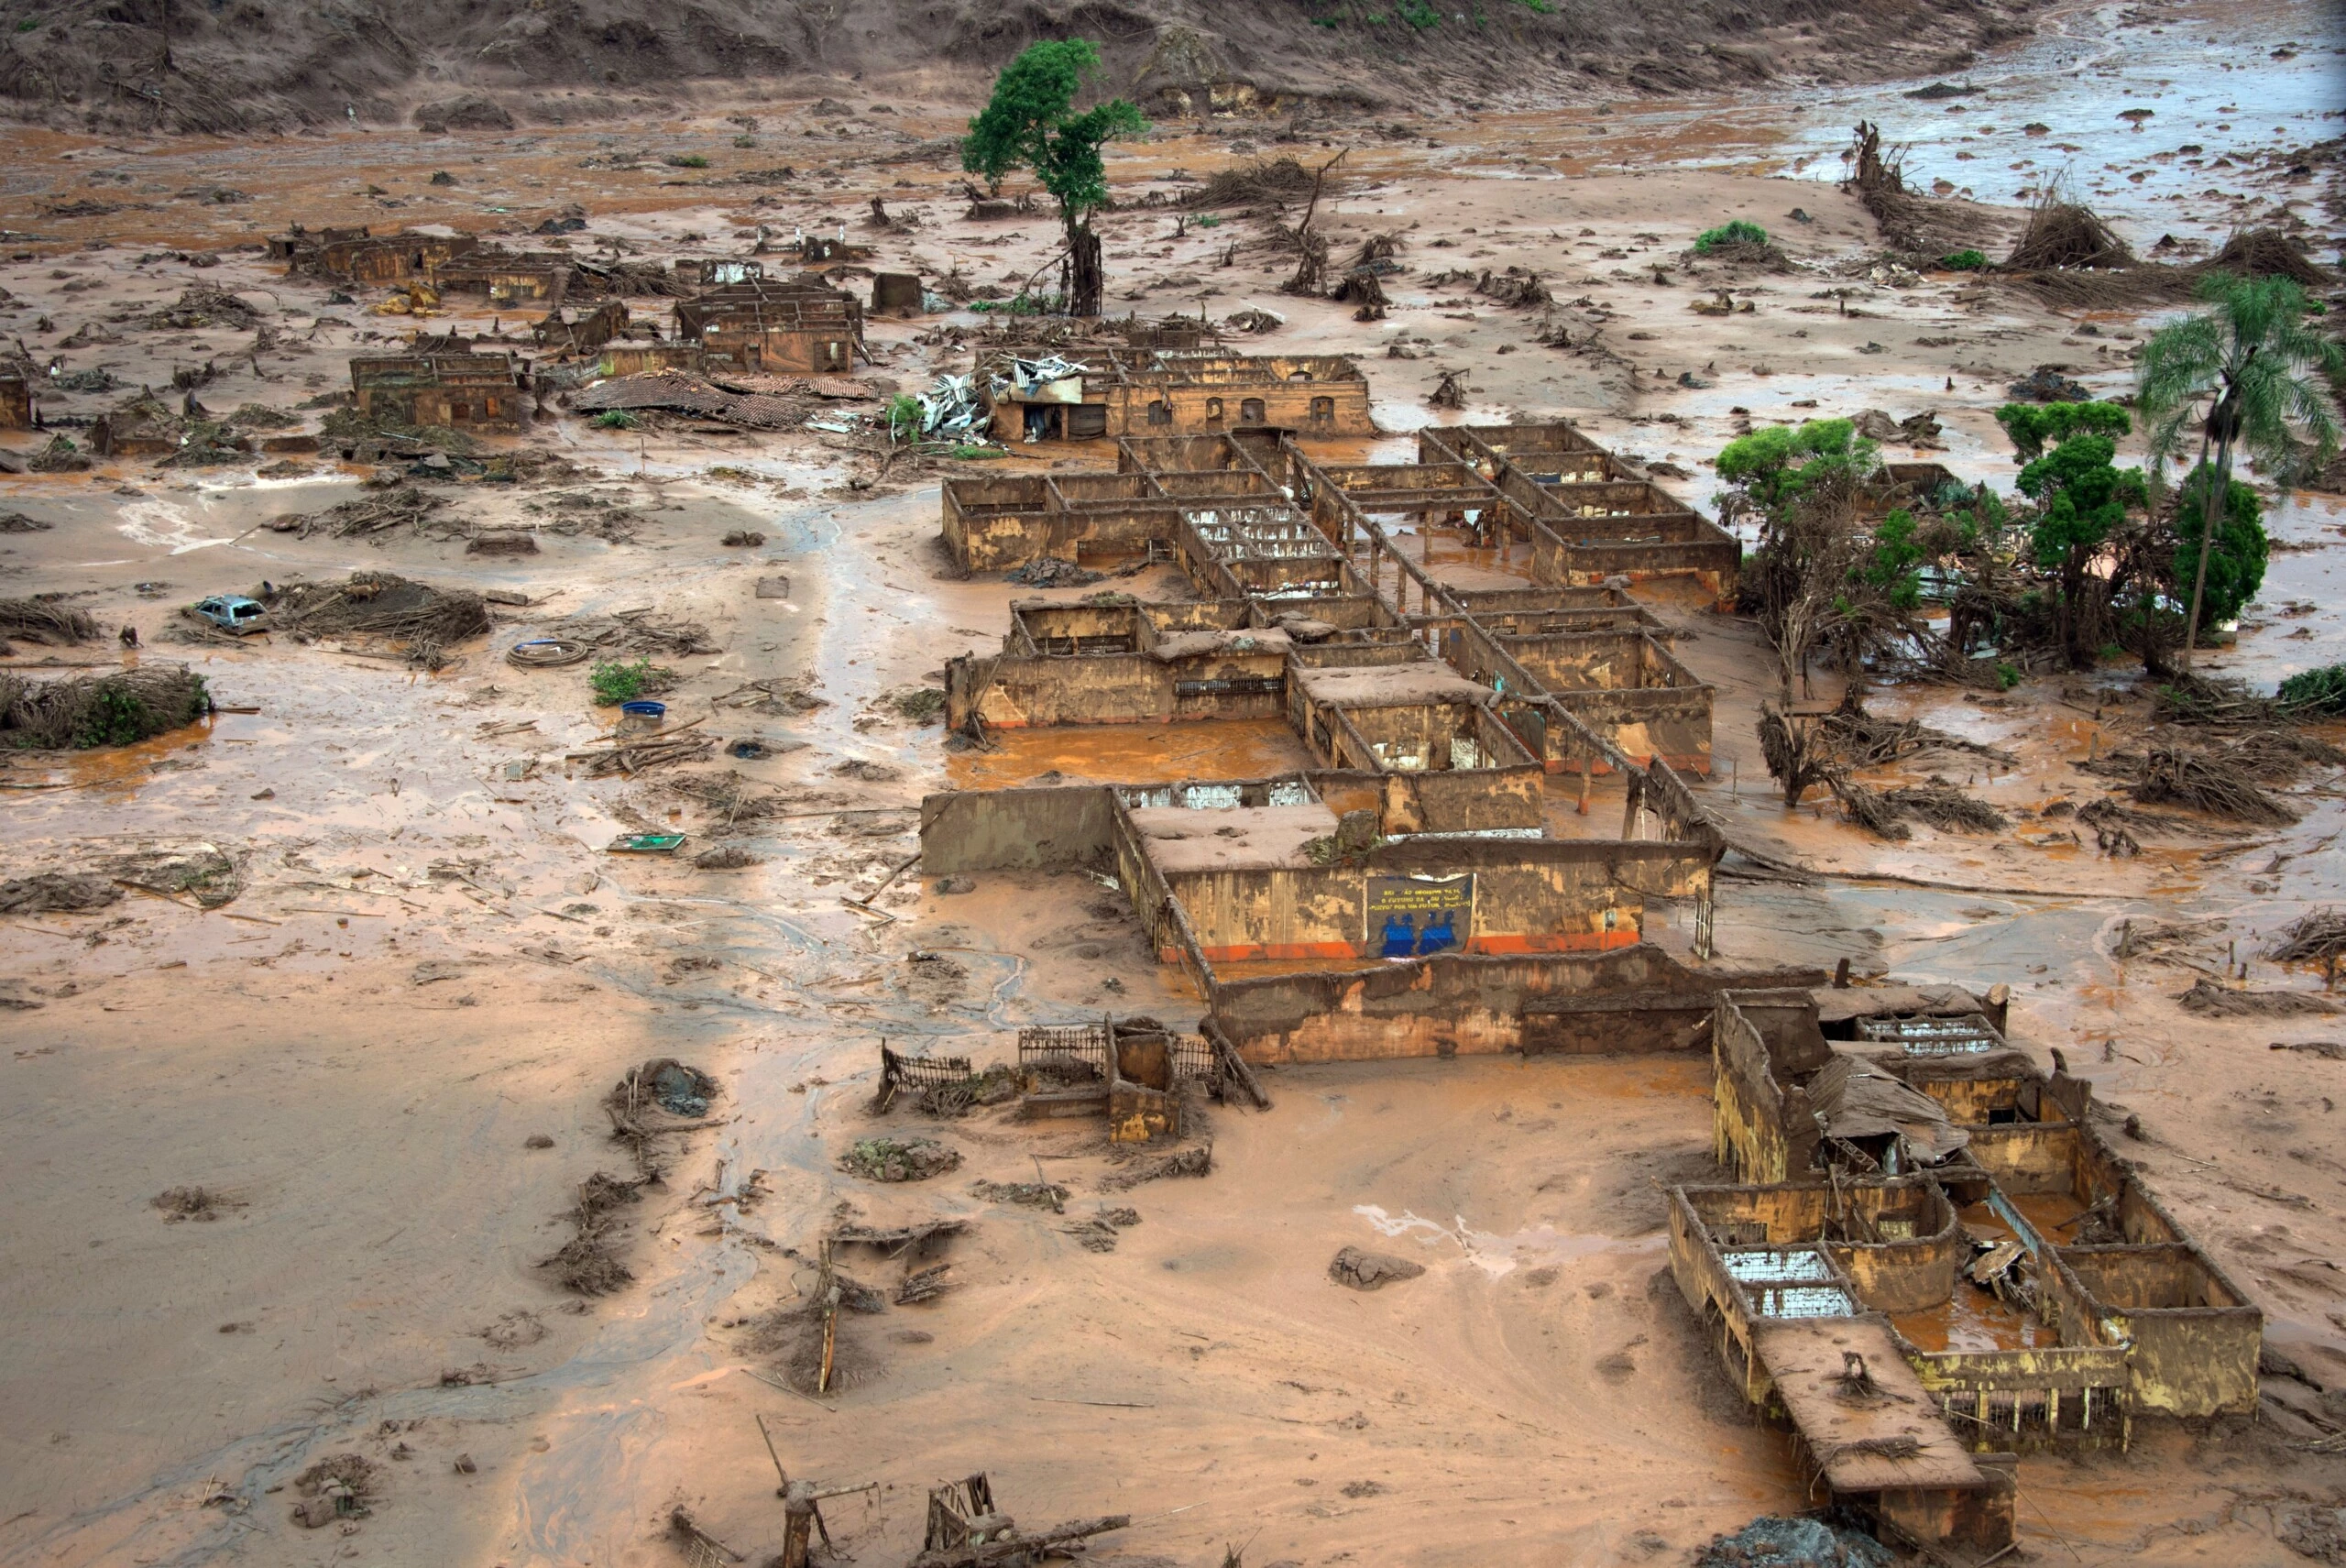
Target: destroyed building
[(560, 334), (1100, 392), (445, 382), (1938, 1234), (785, 326), (506, 278), (1437, 820), (358, 255)]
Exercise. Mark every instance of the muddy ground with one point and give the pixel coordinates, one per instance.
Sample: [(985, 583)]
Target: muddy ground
[(384, 1059)]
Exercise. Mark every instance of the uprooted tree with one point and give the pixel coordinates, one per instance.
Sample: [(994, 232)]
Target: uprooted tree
[(1031, 123)]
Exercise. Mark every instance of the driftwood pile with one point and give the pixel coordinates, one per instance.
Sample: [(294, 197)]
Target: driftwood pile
[(1271, 180)]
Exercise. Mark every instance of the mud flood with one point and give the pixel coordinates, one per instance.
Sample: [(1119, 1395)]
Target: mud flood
[(386, 1056)]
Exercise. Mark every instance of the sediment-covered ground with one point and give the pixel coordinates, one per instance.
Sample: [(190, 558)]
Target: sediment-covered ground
[(378, 975)]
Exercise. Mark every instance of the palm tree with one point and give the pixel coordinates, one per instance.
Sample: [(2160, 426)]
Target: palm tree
[(2250, 362)]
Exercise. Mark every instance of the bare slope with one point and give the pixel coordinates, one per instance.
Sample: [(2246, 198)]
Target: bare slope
[(251, 64)]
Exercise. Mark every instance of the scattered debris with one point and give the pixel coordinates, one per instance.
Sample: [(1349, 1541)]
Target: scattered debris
[(899, 1159), (183, 1203), (1051, 571), (589, 1263), (2046, 384), (62, 892), (1197, 1161), (46, 621)]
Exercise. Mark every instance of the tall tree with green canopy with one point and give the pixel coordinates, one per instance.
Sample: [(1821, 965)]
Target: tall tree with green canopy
[(2082, 501), (1031, 123), (2245, 371)]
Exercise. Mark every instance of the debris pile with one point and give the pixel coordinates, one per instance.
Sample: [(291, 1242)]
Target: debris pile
[(99, 710), (899, 1159), (1051, 571), (2064, 233), (2318, 936), (589, 1263), (1269, 181), (2174, 776), (45, 620), (379, 512), (951, 410), (424, 620), (680, 392), (1771, 1541), (62, 892)]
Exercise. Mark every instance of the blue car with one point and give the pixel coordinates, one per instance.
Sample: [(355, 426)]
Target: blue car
[(232, 612)]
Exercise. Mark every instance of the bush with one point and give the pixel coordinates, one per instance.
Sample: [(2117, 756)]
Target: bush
[(1208, 221), (1964, 261), (616, 683), (1738, 231), (2007, 676), (615, 419), (745, 141), (2235, 563), (2319, 690), (685, 160), (904, 417)]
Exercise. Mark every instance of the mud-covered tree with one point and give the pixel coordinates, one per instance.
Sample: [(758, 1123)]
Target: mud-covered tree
[(2248, 372), (1031, 123), (2083, 501), (1818, 576)]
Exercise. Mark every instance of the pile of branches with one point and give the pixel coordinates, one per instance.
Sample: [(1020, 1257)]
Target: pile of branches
[(1938, 803), (2267, 253), (203, 305), (398, 506), (2066, 233), (102, 710), (45, 620), (1515, 287), (1880, 183), (1861, 740), (2172, 775), (1270, 180), (425, 620), (2318, 936)]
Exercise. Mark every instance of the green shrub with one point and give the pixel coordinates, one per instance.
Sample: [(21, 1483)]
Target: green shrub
[(1209, 222), (1419, 13), (904, 417), (2321, 690), (1738, 232), (616, 683), (685, 160), (745, 141), (1964, 261), (2007, 676), (615, 419)]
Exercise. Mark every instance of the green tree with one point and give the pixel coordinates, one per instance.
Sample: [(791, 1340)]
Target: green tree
[(1818, 576), (1031, 123), (2244, 371), (2234, 569), (2082, 501)]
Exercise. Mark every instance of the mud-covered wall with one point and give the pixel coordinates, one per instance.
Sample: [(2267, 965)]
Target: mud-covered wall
[(2195, 1340), (1016, 829), (1453, 1004)]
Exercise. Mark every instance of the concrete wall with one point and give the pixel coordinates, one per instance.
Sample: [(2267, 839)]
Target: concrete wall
[(1016, 829), (1468, 1004), (2195, 1339)]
